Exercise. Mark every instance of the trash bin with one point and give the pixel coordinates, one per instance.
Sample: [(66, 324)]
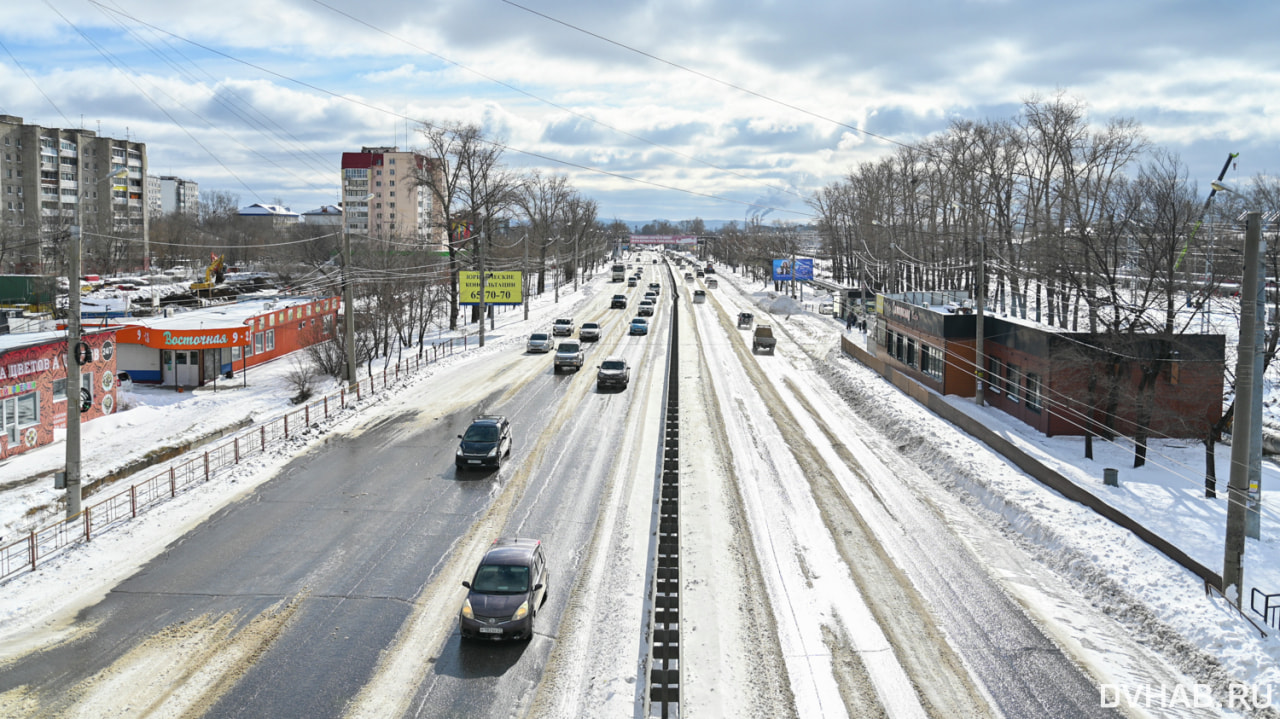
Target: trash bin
[(1111, 477)]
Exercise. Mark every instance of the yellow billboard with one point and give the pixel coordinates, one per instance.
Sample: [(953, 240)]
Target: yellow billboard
[(500, 288)]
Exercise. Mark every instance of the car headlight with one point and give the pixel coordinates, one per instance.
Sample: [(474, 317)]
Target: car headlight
[(459, 452), (493, 452), (522, 612), (466, 609)]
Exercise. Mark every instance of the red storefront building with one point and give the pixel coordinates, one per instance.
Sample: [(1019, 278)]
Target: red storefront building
[(33, 386), (190, 349)]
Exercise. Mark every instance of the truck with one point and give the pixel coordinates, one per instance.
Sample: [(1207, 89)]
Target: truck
[(763, 339), (619, 272)]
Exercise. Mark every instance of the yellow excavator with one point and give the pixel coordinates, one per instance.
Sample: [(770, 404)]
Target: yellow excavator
[(213, 274)]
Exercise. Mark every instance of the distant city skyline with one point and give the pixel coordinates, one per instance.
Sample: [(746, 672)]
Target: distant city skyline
[(715, 110)]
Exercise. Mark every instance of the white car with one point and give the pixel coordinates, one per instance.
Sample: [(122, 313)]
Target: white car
[(562, 327), (540, 342), (590, 332)]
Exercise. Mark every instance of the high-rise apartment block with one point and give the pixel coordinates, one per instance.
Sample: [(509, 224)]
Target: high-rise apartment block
[(384, 198), (168, 195), (52, 179)]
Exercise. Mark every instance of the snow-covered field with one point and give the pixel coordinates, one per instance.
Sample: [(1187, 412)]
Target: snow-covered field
[(1110, 572)]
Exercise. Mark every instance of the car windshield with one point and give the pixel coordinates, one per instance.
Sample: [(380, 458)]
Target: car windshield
[(501, 579), (568, 347), (590, 326), (613, 364), (539, 337), (481, 433)]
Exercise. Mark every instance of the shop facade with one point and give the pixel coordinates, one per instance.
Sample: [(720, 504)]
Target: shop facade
[(191, 349), (33, 386)]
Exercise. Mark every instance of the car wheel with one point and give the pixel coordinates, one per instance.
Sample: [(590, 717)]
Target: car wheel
[(529, 636)]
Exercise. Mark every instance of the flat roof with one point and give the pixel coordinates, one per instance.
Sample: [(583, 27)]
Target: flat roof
[(220, 316)]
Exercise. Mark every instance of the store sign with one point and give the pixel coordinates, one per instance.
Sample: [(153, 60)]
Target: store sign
[(187, 339), (500, 288)]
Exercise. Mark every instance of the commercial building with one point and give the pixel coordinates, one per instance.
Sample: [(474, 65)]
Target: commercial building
[(402, 208), (51, 179), (190, 349), (33, 386), (1060, 382)]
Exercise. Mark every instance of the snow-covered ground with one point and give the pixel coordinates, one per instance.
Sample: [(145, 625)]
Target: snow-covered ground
[(1160, 605)]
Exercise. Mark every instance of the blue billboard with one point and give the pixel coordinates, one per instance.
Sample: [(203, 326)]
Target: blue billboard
[(786, 270)]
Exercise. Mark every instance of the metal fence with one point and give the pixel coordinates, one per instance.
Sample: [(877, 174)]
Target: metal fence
[(25, 554)]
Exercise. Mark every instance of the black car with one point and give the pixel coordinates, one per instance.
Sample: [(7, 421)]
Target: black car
[(508, 589), (485, 443)]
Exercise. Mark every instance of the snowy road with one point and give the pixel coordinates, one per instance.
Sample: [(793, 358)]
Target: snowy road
[(823, 575)]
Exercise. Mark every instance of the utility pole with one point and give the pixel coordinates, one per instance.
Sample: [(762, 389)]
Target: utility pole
[(1248, 406), (348, 302), (979, 361), (480, 257), (524, 277), (72, 364)]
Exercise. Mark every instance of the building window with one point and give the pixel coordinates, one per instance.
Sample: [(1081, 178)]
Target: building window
[(993, 374), (1033, 392), (235, 353), (1012, 379), (257, 343), (271, 339), (328, 324), (931, 361)]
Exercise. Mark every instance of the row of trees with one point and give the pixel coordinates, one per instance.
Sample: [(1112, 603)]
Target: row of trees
[(1088, 228)]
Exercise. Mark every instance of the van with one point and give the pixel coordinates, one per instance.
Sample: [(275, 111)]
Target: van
[(699, 296)]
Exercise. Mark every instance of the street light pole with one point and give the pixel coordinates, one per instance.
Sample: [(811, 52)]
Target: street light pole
[(979, 361), (1248, 410), (348, 302), (72, 364)]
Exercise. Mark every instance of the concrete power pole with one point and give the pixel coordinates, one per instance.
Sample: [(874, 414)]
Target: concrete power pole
[(1248, 407)]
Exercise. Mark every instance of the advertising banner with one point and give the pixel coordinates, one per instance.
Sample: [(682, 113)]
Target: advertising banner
[(785, 270), (500, 288)]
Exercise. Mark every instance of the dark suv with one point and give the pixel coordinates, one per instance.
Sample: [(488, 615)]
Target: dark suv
[(485, 442), (508, 589)]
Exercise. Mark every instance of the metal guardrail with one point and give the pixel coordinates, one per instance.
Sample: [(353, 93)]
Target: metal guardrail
[(25, 554), (1270, 611), (663, 661)]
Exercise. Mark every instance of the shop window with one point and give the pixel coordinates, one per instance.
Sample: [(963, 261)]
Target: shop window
[(271, 339), (257, 343), (28, 409), (235, 353)]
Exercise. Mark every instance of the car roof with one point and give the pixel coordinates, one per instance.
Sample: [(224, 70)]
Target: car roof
[(564, 319), (511, 550), (615, 358), (489, 419)]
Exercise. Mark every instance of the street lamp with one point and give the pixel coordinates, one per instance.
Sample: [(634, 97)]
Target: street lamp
[(73, 352), (348, 311)]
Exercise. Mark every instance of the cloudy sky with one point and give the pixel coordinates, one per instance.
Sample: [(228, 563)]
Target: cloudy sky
[(653, 108)]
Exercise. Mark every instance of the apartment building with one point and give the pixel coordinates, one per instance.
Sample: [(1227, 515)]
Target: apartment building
[(384, 199), (171, 195), (52, 179)]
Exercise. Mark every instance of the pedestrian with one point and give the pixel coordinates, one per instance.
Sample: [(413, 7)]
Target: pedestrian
[(848, 323)]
